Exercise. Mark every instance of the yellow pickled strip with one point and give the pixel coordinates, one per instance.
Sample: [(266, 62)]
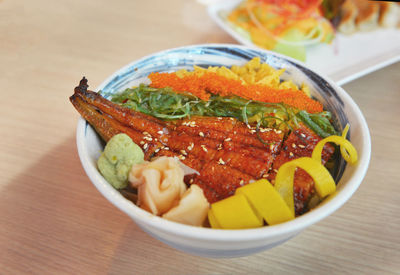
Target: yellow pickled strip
[(266, 201), (235, 212), (345, 130), (347, 149), (212, 220), (343, 151), (324, 183)]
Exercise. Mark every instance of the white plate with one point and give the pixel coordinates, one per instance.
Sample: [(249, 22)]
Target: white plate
[(347, 58)]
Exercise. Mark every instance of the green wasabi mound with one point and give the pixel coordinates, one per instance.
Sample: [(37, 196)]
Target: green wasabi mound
[(119, 155)]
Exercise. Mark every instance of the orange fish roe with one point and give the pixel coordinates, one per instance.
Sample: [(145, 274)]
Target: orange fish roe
[(209, 83)]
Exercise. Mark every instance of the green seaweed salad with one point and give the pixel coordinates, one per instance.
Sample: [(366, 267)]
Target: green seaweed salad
[(165, 104)]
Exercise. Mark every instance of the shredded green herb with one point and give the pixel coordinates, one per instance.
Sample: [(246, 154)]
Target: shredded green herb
[(319, 123), (165, 104)]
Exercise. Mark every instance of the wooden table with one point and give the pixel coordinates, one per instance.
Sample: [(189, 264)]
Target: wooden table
[(53, 220)]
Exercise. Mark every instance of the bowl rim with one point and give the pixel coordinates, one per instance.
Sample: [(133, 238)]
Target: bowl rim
[(201, 233)]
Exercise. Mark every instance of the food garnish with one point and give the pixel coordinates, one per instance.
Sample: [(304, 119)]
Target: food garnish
[(283, 26), (120, 154), (159, 183), (162, 191), (234, 212), (275, 203), (284, 109), (192, 208), (253, 81)]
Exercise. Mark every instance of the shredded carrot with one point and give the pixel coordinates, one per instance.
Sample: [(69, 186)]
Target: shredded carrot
[(209, 83)]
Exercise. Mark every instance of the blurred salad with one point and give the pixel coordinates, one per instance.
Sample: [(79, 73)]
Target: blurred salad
[(284, 26)]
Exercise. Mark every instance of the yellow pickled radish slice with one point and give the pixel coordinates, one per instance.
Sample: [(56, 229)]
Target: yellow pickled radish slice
[(349, 153), (234, 212), (349, 156), (323, 181), (212, 220), (259, 199), (345, 130), (266, 201), (343, 151)]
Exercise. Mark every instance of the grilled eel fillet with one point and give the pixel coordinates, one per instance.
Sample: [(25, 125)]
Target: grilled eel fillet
[(300, 143), (226, 152)]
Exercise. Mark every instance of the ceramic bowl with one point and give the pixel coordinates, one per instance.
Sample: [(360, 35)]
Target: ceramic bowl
[(230, 243)]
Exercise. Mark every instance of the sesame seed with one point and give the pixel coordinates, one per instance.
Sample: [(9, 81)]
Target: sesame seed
[(142, 142), (291, 154), (204, 148), (219, 147), (221, 161), (190, 147), (146, 134), (181, 157), (219, 118), (166, 148), (294, 145), (147, 138), (232, 118), (265, 176), (303, 135), (145, 146), (157, 150), (201, 134), (191, 181), (271, 147), (241, 182), (183, 152), (234, 132), (278, 131), (276, 170), (263, 130), (228, 139), (160, 132), (253, 131), (302, 146)]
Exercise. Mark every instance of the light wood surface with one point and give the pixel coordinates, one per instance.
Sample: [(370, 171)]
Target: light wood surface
[(54, 221)]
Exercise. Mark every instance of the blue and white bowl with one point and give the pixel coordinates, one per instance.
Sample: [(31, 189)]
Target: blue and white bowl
[(230, 243)]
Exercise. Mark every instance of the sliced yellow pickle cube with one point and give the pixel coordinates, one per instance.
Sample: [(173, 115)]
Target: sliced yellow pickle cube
[(266, 201), (212, 220), (235, 212)]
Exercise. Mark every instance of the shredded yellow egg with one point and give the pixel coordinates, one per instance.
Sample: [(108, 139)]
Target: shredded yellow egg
[(253, 72)]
